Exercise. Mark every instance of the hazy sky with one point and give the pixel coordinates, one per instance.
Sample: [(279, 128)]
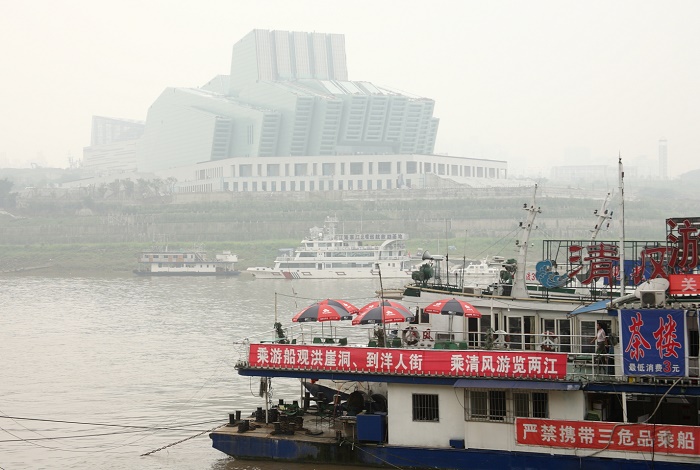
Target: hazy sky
[(537, 83)]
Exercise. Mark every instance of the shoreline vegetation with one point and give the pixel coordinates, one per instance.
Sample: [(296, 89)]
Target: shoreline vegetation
[(59, 239)]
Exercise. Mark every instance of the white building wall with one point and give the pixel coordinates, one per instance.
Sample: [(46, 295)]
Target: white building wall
[(370, 178), (405, 431)]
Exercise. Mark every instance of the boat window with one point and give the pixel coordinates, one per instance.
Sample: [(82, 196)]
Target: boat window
[(425, 407), (530, 405), (504, 405), (487, 405)]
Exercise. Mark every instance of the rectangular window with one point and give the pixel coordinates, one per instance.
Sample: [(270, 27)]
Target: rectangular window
[(245, 170), (411, 168), (425, 407), (356, 168), (505, 405), (426, 167), (300, 169), (383, 168), (328, 169), (370, 168), (273, 170), (342, 169)]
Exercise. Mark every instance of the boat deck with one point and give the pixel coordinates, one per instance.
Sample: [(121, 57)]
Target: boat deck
[(315, 429)]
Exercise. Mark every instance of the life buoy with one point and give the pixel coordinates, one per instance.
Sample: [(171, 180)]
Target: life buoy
[(410, 336)]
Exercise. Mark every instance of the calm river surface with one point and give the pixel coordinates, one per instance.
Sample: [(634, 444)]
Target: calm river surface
[(95, 372)]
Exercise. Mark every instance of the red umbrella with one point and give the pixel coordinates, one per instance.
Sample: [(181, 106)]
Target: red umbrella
[(321, 311), (350, 308), (381, 314), (386, 303), (453, 307)]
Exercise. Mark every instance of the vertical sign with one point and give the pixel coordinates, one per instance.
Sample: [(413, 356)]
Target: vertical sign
[(653, 342)]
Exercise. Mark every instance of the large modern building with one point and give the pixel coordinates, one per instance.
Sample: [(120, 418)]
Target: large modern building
[(287, 118)]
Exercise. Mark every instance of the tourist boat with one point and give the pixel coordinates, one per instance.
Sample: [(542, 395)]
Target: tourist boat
[(481, 273), (521, 385), (327, 254), (164, 261)]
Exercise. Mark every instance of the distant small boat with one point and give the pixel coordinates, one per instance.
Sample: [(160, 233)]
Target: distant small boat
[(174, 262)]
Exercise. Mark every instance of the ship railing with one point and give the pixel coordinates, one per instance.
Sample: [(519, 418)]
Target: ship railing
[(583, 362)]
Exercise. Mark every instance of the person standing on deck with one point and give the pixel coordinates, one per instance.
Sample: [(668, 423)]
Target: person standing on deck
[(599, 340)]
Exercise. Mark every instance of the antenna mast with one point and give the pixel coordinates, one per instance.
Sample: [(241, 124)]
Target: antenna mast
[(621, 174)]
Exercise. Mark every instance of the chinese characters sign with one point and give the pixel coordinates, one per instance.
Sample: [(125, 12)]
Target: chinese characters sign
[(632, 437), (653, 342), (684, 284), (506, 364), (599, 262)]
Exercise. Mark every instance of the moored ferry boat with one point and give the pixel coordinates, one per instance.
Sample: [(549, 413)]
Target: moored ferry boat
[(164, 261), (477, 402), (327, 254), (516, 381)]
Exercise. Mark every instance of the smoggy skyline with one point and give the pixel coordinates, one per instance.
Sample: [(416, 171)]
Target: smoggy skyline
[(537, 83)]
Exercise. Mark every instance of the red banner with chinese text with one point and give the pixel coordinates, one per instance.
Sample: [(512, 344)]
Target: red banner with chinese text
[(505, 364), (684, 284), (631, 437)]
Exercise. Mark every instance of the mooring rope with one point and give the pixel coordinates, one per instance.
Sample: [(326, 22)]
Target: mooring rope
[(181, 440)]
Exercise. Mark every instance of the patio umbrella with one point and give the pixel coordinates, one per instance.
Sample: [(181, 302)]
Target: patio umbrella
[(322, 311), (454, 308), (386, 303), (382, 314), (350, 308)]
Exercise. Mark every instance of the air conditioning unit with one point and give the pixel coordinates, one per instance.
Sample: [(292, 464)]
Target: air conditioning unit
[(652, 298)]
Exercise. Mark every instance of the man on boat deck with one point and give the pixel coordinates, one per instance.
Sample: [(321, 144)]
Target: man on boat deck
[(599, 340)]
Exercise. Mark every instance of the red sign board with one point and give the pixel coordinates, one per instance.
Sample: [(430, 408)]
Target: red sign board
[(630, 437), (506, 364), (684, 284)]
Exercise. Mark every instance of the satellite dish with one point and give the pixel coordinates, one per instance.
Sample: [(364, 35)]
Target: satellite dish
[(426, 255), (658, 284)]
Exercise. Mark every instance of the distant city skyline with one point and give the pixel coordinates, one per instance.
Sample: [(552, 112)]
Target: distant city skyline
[(525, 82)]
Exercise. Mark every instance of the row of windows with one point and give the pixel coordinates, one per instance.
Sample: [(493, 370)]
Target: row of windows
[(486, 405), (340, 185), (355, 169)]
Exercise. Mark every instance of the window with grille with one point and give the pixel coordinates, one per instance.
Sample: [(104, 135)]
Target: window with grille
[(425, 407), (504, 405)]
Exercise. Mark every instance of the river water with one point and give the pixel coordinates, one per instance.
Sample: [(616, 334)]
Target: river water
[(95, 372)]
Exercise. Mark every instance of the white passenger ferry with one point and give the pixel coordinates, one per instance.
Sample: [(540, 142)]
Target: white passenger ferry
[(326, 254), (164, 261)]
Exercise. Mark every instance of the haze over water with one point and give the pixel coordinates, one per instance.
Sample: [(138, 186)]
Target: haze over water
[(120, 356)]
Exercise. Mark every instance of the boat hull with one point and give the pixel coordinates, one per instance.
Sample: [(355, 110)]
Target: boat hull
[(182, 273), (268, 273), (248, 447)]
